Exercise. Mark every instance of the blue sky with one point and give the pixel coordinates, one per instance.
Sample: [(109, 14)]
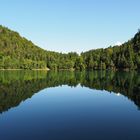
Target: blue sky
[(72, 25)]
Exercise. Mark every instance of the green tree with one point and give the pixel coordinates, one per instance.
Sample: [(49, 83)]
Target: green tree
[(79, 64)]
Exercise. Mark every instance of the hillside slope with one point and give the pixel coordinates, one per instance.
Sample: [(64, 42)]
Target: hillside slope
[(126, 56), (18, 52)]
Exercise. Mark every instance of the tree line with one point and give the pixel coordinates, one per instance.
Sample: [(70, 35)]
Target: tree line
[(17, 52)]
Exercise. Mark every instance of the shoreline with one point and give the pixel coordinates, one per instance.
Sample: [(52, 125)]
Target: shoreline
[(24, 69), (47, 69)]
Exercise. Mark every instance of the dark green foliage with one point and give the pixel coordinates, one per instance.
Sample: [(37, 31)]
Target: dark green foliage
[(126, 56), (79, 65), (17, 52)]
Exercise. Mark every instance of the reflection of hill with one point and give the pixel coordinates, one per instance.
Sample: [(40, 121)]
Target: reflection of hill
[(17, 86), (125, 83)]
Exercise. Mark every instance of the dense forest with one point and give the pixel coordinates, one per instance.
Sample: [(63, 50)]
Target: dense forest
[(17, 86), (125, 56), (17, 52)]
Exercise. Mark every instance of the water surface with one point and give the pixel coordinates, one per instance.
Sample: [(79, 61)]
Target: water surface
[(69, 105)]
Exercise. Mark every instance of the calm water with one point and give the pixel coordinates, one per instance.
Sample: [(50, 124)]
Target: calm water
[(94, 105)]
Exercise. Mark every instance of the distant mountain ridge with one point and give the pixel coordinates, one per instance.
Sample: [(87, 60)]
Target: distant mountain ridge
[(17, 52)]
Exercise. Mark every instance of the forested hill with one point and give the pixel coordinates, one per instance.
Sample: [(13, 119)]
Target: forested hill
[(125, 56), (16, 52)]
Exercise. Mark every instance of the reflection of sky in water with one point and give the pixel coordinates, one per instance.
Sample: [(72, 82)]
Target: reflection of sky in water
[(72, 113)]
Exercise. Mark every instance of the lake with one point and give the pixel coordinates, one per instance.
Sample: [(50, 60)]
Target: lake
[(88, 105)]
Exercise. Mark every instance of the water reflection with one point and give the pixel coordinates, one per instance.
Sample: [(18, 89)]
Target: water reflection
[(17, 86)]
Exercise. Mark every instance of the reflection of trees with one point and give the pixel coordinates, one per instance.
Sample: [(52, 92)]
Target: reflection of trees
[(17, 86), (126, 83)]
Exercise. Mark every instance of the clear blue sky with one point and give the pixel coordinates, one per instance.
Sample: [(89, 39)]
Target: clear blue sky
[(72, 25)]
